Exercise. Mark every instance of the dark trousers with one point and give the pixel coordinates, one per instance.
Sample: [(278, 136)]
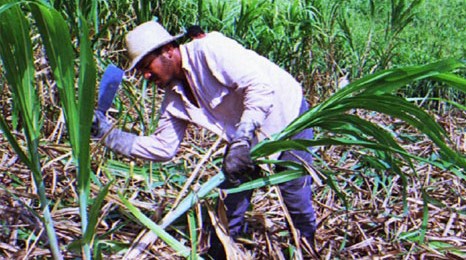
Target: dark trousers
[(297, 195)]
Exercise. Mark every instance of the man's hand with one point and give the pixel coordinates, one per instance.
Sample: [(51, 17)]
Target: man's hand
[(237, 162), (117, 140), (100, 125)]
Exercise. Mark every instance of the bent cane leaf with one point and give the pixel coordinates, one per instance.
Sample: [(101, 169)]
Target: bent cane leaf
[(165, 236)]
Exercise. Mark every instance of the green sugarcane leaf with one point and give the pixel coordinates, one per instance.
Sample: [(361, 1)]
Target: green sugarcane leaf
[(275, 179), (268, 147), (456, 104), (401, 76), (78, 107), (17, 57), (16, 147), (376, 82), (452, 80), (413, 116), (446, 247), (425, 217), (85, 107), (5, 6), (167, 238), (192, 234), (359, 128), (400, 108), (94, 213), (288, 164), (86, 97), (386, 104), (192, 198), (381, 83), (57, 41)]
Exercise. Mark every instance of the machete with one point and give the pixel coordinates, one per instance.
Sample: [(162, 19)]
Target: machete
[(108, 87)]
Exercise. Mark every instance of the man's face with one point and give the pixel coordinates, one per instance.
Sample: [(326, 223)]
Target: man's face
[(158, 67)]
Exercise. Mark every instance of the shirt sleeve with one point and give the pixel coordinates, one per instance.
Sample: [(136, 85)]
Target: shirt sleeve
[(243, 71), (163, 144)]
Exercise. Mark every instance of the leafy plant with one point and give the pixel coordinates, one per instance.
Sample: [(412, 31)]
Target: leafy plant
[(375, 93), (77, 103), (17, 58)]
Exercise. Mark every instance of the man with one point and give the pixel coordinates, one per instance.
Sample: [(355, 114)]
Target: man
[(215, 83)]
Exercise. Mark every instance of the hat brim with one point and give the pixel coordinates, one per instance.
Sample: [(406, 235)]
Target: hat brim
[(136, 60)]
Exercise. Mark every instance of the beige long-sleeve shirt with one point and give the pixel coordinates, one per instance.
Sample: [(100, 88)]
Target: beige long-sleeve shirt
[(231, 84)]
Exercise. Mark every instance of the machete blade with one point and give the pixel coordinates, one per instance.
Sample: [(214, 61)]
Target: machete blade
[(108, 87)]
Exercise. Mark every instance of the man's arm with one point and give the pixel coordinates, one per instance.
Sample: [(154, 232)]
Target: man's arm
[(160, 146), (163, 143)]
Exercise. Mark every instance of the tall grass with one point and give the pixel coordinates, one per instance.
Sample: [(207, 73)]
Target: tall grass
[(17, 58), (78, 111), (77, 102)]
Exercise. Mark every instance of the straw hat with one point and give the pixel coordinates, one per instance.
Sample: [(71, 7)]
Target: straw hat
[(146, 38)]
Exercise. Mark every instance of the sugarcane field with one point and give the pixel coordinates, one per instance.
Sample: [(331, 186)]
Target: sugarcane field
[(252, 129)]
